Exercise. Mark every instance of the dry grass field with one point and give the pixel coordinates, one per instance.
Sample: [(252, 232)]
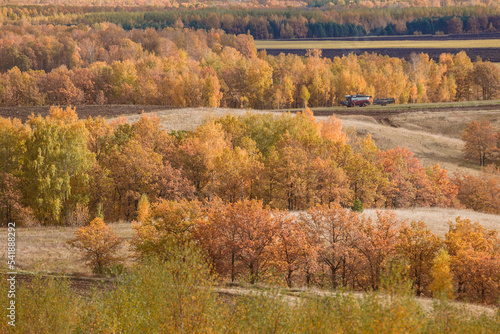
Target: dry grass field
[(429, 148), (45, 249), (437, 219), (402, 44)]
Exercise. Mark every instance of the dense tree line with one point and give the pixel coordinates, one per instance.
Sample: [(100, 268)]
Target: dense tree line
[(47, 65), (61, 170), (274, 23), (327, 246)]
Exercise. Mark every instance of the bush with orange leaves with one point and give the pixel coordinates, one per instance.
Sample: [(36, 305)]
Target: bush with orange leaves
[(99, 244)]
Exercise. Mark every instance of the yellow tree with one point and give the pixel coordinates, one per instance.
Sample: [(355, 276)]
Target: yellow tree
[(13, 136), (442, 278), (475, 257), (170, 225), (288, 174), (208, 142), (419, 246), (237, 171)]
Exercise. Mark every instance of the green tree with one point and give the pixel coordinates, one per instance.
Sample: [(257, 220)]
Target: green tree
[(57, 164)]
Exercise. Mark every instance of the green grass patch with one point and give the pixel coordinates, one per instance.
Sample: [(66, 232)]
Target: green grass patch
[(404, 44)]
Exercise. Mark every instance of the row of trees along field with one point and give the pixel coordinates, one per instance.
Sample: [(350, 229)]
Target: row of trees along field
[(60, 170), (273, 23), (186, 68), (326, 246), (279, 25)]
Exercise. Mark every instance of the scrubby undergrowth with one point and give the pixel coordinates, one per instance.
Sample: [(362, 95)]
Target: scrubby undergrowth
[(178, 295)]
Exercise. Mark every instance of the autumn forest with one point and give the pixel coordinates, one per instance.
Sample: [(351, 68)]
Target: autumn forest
[(57, 65)]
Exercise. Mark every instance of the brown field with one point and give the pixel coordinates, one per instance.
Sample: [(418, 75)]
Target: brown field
[(486, 54), (437, 219), (486, 47)]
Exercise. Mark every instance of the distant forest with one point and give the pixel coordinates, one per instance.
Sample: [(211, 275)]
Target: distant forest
[(272, 23)]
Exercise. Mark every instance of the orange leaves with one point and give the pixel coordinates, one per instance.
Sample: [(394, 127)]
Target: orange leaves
[(375, 242), (444, 190), (480, 142), (245, 232), (292, 250), (411, 186), (475, 255), (99, 244), (481, 192), (331, 129), (330, 231)]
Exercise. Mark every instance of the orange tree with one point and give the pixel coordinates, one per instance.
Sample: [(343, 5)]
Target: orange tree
[(239, 237), (329, 230), (480, 142), (99, 244)]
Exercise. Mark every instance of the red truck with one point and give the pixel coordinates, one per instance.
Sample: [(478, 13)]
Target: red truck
[(356, 100)]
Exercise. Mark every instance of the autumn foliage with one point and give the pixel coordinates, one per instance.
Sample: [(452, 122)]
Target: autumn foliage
[(481, 143), (294, 162), (181, 67), (99, 244), (232, 187), (328, 247)]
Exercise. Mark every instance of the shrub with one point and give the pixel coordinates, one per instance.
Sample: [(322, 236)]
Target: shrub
[(173, 295), (99, 245)]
